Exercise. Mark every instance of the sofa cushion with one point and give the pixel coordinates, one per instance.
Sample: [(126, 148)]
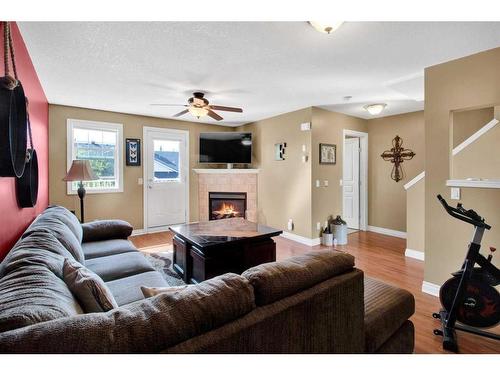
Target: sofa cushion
[(88, 288), (119, 266), (100, 230), (145, 326), (387, 308), (51, 224), (67, 218), (33, 294), (39, 248), (98, 249), (277, 280), (128, 289)]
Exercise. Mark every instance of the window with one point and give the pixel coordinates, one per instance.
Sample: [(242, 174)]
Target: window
[(101, 144), (166, 160)]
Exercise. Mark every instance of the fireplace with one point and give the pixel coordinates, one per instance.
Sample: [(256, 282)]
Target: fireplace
[(226, 205)]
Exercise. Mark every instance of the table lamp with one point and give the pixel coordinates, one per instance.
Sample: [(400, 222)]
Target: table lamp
[(80, 171)]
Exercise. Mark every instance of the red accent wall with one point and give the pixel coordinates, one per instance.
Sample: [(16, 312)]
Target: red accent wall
[(14, 220)]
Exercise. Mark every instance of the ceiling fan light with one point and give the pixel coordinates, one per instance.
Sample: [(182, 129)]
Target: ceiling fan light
[(326, 27), (375, 109), (198, 111)]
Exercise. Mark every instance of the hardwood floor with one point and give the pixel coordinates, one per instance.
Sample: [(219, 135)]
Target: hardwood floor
[(381, 257)]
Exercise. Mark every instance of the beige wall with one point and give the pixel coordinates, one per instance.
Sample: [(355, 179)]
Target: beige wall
[(466, 123), (129, 204), (387, 198), (284, 188), (327, 127), (480, 159), (470, 82), (415, 216)]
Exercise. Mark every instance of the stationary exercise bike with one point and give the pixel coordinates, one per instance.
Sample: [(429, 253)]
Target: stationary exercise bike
[(470, 295)]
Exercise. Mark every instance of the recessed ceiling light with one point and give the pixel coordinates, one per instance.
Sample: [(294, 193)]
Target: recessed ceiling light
[(375, 109), (326, 27)]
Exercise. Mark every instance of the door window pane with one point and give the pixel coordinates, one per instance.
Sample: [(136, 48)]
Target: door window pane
[(166, 160)]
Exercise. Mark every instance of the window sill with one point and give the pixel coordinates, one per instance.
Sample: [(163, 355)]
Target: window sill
[(88, 191)]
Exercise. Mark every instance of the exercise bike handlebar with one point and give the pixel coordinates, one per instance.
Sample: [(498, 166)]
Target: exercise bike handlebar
[(469, 216)]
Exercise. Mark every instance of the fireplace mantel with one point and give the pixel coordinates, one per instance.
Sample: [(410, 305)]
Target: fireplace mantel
[(229, 171)]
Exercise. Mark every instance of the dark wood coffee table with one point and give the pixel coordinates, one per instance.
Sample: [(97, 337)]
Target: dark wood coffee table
[(207, 249)]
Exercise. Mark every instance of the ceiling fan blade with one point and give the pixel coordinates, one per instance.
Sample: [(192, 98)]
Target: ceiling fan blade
[(169, 105), (214, 115), (223, 108), (181, 113)]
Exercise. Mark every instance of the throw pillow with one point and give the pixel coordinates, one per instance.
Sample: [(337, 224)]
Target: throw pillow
[(88, 288), (151, 292)]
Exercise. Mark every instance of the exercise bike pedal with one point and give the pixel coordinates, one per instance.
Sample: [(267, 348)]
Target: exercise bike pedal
[(438, 332), (436, 316)]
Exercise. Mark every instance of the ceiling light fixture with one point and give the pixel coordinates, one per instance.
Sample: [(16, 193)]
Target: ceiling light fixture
[(198, 111), (326, 27), (375, 109)]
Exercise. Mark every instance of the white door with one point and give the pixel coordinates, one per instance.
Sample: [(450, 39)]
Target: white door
[(166, 179), (350, 183)]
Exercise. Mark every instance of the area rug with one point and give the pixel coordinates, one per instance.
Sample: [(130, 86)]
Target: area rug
[(162, 261)]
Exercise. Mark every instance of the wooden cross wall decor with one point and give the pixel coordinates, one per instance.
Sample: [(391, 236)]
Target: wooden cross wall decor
[(396, 155)]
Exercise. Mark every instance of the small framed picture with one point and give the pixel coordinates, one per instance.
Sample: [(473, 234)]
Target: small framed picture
[(327, 153), (133, 152)]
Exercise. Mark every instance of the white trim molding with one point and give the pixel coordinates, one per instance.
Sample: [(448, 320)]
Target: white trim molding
[(387, 232), (414, 180), (138, 232), (474, 137), (300, 239), (430, 288), (225, 170), (474, 183), (415, 254)]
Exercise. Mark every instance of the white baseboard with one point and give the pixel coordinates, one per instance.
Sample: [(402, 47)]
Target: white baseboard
[(430, 288), (415, 254), (137, 232), (301, 239), (388, 232)]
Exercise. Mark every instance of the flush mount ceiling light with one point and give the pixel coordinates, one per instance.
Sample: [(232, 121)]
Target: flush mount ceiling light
[(326, 27), (375, 109)]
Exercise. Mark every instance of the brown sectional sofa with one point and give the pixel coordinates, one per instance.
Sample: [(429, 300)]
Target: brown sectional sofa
[(315, 303)]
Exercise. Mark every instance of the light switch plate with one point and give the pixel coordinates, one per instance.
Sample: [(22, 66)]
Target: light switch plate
[(318, 225), (325, 183), (455, 193), (318, 183), (140, 181)]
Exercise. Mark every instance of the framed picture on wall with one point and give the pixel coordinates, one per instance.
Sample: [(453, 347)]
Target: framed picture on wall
[(327, 153), (133, 152)]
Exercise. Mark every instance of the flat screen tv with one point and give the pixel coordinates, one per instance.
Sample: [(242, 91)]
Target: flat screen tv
[(222, 148)]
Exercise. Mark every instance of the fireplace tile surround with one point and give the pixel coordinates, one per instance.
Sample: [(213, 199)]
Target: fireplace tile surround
[(227, 180)]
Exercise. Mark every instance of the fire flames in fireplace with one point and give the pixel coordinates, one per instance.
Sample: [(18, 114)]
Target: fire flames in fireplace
[(227, 210), (226, 205)]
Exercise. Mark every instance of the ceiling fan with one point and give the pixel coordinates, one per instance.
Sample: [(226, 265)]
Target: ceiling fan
[(198, 106)]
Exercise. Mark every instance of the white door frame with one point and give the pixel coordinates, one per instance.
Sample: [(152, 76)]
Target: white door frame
[(363, 174), (145, 165)]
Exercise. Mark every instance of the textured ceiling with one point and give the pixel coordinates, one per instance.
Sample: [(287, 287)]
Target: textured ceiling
[(267, 68)]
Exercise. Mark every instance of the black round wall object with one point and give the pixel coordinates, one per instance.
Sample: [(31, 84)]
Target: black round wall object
[(13, 131), (27, 184)]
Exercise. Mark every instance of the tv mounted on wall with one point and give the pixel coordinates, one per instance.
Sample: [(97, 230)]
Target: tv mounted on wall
[(226, 148)]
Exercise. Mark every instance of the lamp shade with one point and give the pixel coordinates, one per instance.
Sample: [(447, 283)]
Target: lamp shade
[(80, 171)]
